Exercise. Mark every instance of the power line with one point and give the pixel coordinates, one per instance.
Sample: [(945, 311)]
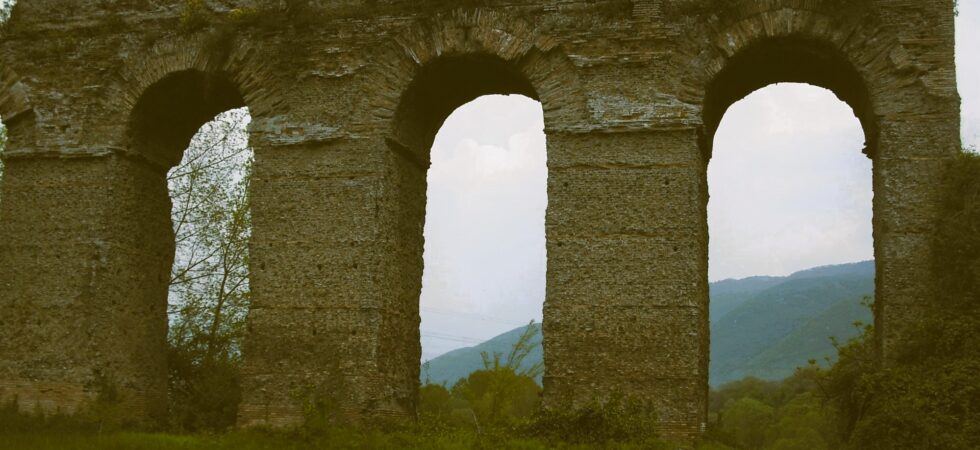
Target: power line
[(475, 316), (451, 337)]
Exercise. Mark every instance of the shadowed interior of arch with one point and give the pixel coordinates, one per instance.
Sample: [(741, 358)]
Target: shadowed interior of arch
[(447, 83), (788, 60), (173, 109)]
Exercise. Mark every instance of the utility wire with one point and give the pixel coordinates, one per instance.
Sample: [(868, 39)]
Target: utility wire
[(475, 316)]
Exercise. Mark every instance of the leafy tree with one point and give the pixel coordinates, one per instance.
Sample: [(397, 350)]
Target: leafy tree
[(435, 402), (747, 421), (925, 396), (503, 392), (6, 6), (803, 423), (209, 288)]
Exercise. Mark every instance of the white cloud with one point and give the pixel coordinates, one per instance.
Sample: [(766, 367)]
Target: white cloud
[(484, 231), (790, 188)]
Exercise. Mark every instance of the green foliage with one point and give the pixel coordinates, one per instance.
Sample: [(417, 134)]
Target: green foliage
[(457, 364), (209, 289), (803, 423), (107, 410), (13, 421), (435, 402), (758, 414), (105, 413), (194, 16), (616, 420), (926, 396), (499, 396), (503, 394), (244, 16), (503, 400), (783, 325), (203, 396), (747, 420)]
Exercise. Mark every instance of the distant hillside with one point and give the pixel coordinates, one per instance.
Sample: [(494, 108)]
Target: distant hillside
[(776, 329), (760, 326), (727, 295), (450, 367)]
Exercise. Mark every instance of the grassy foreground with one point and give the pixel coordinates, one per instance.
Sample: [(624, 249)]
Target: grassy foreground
[(333, 439)]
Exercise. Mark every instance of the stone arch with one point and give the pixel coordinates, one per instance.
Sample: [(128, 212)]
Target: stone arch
[(163, 98), (782, 60), (518, 58), (841, 48), (171, 111), (844, 48), (215, 72), (461, 56)]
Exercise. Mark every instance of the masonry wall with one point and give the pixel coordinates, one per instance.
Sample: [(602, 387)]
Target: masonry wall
[(341, 150)]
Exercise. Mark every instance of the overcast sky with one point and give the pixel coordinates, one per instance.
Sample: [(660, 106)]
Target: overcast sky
[(790, 189)]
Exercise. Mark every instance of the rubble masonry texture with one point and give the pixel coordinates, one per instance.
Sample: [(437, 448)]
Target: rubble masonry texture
[(101, 97)]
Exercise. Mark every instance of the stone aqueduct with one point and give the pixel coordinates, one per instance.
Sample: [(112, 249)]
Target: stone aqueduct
[(100, 98)]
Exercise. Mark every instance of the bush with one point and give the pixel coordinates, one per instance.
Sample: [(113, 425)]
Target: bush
[(195, 16), (203, 397), (499, 396), (926, 396), (617, 420)]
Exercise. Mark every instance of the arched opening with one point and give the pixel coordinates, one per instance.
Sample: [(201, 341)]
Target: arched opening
[(484, 259), (191, 127), (209, 292), (471, 162), (791, 249)]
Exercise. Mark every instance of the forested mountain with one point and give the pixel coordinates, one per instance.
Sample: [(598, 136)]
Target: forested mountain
[(768, 332), (760, 326)]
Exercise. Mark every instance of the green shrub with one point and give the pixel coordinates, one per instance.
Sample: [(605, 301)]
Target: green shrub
[(926, 395), (195, 16), (499, 396), (599, 422)]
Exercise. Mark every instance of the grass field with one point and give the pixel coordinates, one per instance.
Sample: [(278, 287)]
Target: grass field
[(334, 439)]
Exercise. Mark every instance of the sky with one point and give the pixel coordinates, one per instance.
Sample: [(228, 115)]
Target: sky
[(790, 189), (5, 6), (484, 228)]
